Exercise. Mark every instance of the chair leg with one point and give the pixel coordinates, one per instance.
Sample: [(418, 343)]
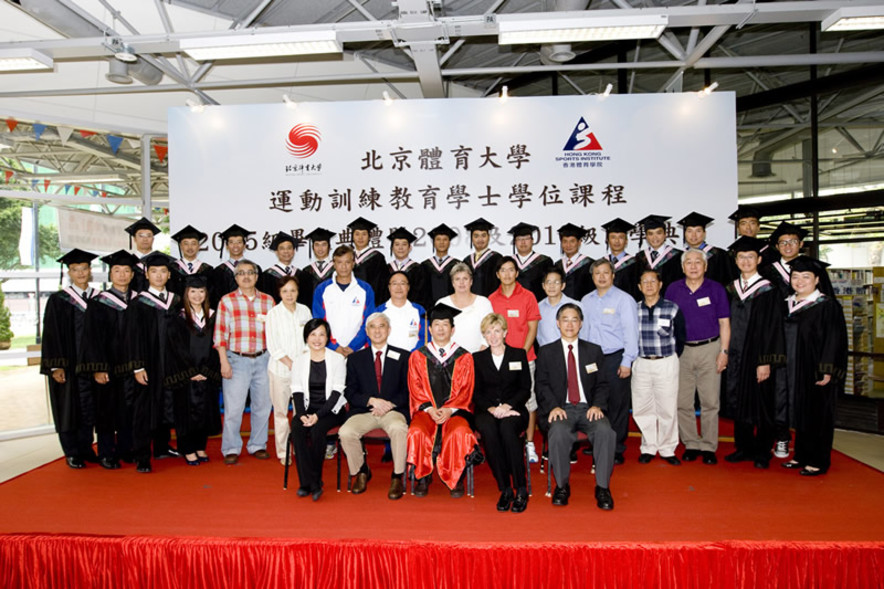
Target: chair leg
[(527, 470), (339, 452), (410, 470), (549, 480), (288, 453)]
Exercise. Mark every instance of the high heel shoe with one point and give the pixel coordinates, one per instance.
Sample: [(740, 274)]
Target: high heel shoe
[(192, 462)]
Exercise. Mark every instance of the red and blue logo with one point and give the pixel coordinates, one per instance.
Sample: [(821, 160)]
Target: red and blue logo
[(303, 141), (582, 138)]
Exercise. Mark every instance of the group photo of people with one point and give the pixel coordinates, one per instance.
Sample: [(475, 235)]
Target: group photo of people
[(458, 362)]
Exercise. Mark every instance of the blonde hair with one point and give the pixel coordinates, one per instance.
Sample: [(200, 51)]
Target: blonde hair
[(492, 319)]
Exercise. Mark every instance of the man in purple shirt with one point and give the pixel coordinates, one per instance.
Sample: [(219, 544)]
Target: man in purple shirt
[(706, 312)]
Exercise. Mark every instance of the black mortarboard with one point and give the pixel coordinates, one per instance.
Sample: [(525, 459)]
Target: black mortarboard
[(695, 220), (808, 264), (120, 258), (283, 237), (190, 232), (654, 222), (747, 244), (196, 281), (157, 259), (443, 311), (402, 233), (320, 234), (362, 224), (571, 230), (142, 223), (745, 212), (479, 224), (77, 256), (786, 228), (618, 225), (523, 229), (442, 229), (233, 231)]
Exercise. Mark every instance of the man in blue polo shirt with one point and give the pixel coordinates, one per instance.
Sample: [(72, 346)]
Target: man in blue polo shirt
[(706, 310)]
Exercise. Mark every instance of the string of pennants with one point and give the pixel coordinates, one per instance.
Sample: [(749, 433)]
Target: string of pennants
[(64, 133)]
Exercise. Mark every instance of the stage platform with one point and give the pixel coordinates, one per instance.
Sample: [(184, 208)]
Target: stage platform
[(234, 526)]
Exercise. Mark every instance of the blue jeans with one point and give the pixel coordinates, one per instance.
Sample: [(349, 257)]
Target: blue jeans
[(249, 374)]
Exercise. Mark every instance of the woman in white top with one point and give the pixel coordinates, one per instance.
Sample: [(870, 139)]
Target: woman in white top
[(285, 343), (318, 400), (473, 308)]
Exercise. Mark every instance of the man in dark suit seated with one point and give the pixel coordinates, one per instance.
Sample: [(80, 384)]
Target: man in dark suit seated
[(377, 390), (572, 395)]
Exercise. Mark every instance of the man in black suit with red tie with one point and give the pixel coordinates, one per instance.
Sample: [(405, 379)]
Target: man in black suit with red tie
[(377, 390), (572, 395)]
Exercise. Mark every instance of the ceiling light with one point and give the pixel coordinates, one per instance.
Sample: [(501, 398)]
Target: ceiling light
[(289, 102), (504, 93), (708, 89), (261, 45), (82, 179), (126, 54), (118, 72), (24, 59), (387, 100), (515, 28), (854, 18), (195, 105), (607, 91)]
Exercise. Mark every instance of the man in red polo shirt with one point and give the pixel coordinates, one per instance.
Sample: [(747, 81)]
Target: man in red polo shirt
[(519, 306)]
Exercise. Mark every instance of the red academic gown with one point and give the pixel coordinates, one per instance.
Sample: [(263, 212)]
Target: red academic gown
[(458, 438)]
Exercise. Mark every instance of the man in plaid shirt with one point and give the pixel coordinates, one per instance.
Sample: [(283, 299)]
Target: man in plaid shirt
[(240, 340)]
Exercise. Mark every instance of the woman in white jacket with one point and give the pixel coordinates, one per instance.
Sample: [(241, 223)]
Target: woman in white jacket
[(318, 401), (285, 343)]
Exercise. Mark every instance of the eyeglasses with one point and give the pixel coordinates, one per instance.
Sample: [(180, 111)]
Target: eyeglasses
[(246, 273), (398, 284), (788, 242), (552, 282)]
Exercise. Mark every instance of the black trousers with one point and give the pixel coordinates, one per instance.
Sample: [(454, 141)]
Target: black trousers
[(309, 444), (814, 447), (504, 448), (756, 441), (619, 397)]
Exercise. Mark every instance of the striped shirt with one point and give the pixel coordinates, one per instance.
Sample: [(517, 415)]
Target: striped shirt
[(239, 323)]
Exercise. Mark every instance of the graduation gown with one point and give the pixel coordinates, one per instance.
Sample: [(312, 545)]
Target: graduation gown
[(485, 279), (438, 279), (64, 323), (777, 273), (626, 276), (309, 278), (756, 339), (578, 278), (190, 352), (720, 266), (417, 283), (371, 267), (531, 273), (222, 281), (269, 278), (668, 263), (440, 385), (180, 272)]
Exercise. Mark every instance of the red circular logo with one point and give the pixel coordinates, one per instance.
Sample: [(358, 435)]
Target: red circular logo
[(303, 141)]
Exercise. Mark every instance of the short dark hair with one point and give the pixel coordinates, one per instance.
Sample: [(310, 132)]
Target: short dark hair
[(247, 262), (573, 307), (653, 271), (601, 262), (314, 324), (343, 250), (283, 280), (503, 261), (554, 270), (401, 273)]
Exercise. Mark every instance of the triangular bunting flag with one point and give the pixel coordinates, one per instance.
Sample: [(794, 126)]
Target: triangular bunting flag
[(103, 194), (161, 150), (11, 124), (34, 184), (133, 143), (9, 174), (64, 133), (114, 143), (76, 190), (85, 134), (93, 192), (38, 130), (67, 188), (46, 185)]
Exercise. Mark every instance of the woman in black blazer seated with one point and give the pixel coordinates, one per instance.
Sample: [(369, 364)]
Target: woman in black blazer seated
[(503, 385)]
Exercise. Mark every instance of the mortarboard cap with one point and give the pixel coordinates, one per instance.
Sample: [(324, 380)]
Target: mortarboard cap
[(571, 230), (196, 281), (142, 223), (654, 222), (695, 220), (320, 234), (120, 258), (747, 244), (190, 232), (362, 224), (808, 264), (154, 259), (281, 238), (77, 256), (235, 231), (618, 225), (443, 311), (402, 233), (479, 224), (442, 229), (523, 229), (786, 228), (745, 212)]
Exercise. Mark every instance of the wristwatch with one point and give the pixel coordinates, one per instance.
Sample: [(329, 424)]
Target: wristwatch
[(724, 351)]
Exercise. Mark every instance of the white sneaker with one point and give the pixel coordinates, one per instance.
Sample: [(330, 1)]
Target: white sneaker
[(782, 449), (532, 453), (330, 451)]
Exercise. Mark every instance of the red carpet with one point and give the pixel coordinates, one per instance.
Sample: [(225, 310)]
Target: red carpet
[(214, 525)]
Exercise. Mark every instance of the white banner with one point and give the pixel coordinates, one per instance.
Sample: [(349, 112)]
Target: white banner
[(93, 232), (417, 163)]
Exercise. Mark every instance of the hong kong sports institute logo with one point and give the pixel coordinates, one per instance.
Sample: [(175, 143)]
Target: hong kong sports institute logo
[(303, 141), (582, 138)]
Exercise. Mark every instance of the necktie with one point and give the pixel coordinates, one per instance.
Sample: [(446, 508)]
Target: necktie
[(85, 295), (320, 264), (613, 259), (654, 254), (190, 267), (163, 296), (573, 387), (442, 352), (745, 284), (377, 369), (288, 270)]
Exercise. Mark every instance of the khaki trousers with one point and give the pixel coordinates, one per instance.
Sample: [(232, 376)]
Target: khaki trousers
[(697, 372), (393, 423)]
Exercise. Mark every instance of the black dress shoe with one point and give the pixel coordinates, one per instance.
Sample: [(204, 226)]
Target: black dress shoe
[(317, 494), (90, 457), (143, 466), (520, 503), (618, 458), (74, 462), (458, 491), (109, 463), (690, 455), (792, 465), (762, 463), (303, 491), (603, 498), (561, 495), (811, 473), (423, 487), (644, 458), (673, 460), (709, 457), (360, 483), (505, 501), (738, 456)]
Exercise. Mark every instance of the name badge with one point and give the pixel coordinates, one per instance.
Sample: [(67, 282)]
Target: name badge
[(512, 313), (703, 302), (590, 368), (664, 322), (515, 365), (392, 355), (413, 333), (609, 310)]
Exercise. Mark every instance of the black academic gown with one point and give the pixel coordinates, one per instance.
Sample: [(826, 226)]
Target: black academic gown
[(720, 266), (72, 402), (309, 278), (438, 275), (668, 264), (626, 276), (222, 281), (531, 273), (756, 340), (485, 279), (578, 278), (778, 274), (417, 283), (180, 272), (147, 324), (371, 267), (816, 344), (195, 403), (269, 278)]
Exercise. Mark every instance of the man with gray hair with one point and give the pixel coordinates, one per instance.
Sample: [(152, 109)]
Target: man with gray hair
[(706, 310), (377, 390)]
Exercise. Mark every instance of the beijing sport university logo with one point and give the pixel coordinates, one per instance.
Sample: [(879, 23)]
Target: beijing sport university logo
[(582, 138), (303, 141)]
